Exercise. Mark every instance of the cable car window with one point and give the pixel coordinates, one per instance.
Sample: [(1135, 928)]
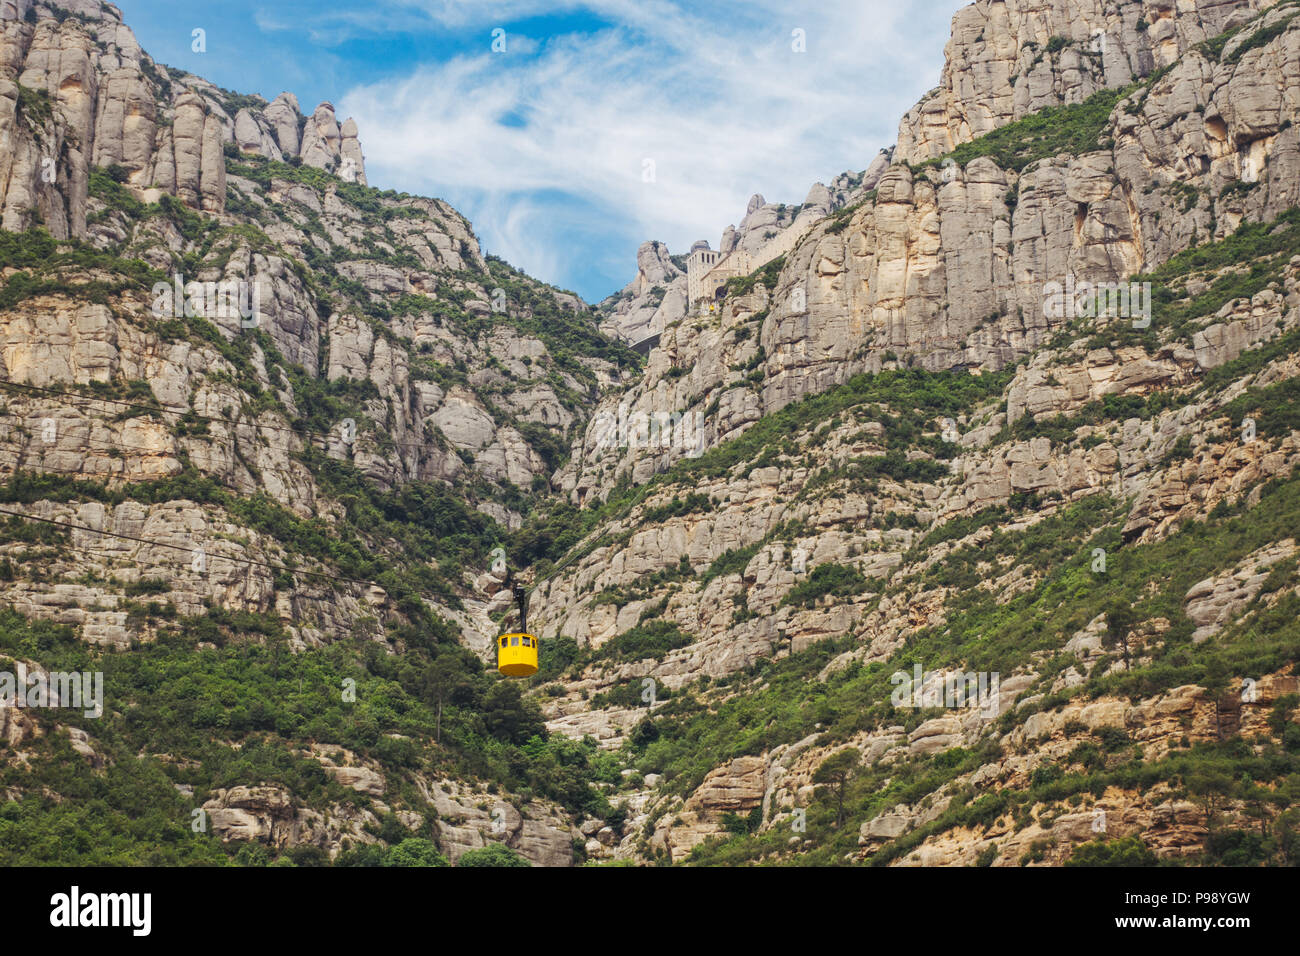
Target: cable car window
[(527, 643), (514, 642), (505, 641)]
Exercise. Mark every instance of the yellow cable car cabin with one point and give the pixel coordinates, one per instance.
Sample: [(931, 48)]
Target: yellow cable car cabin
[(517, 655), (517, 652)]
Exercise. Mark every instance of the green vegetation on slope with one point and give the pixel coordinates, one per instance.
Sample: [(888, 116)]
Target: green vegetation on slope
[(221, 700), (1074, 129), (689, 738), (916, 397)]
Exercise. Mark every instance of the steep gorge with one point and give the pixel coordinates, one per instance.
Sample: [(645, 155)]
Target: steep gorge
[(904, 461)]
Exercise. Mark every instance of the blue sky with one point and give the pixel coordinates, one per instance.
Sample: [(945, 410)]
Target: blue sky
[(591, 126)]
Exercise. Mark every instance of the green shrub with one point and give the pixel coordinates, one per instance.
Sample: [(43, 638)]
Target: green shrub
[(414, 851), (1127, 851), (836, 580), (650, 639), (496, 854), (1074, 129)]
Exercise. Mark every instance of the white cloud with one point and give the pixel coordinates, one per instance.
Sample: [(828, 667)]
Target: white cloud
[(328, 28), (721, 103)]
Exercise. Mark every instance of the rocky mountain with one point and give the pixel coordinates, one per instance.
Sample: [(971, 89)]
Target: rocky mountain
[(959, 532), (895, 423), (324, 455), (657, 298)]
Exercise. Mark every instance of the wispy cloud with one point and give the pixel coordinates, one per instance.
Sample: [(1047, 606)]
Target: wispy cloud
[(722, 103), (328, 28)]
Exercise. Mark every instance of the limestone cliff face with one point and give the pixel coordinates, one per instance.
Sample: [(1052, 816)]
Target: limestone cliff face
[(77, 92), (652, 301), (436, 400), (946, 266), (1010, 58), (415, 423), (215, 458), (761, 527), (951, 266), (657, 298), (1127, 460)]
